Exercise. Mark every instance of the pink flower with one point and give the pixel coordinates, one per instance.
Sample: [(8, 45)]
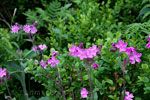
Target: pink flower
[(129, 96), (95, 65), (84, 93), (129, 50), (121, 45), (53, 61), (34, 48), (74, 51), (135, 57), (82, 53), (92, 51), (15, 28), (42, 46), (33, 29), (2, 72), (148, 45), (148, 39), (43, 64), (27, 28)]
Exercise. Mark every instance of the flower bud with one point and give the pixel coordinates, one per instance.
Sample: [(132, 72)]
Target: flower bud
[(35, 23), (113, 50), (80, 45)]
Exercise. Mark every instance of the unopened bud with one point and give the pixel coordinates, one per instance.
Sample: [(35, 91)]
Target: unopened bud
[(113, 50), (35, 23), (80, 45)]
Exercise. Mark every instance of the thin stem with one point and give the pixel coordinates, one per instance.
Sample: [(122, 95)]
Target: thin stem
[(30, 37), (90, 80), (72, 90), (4, 20), (49, 74), (24, 87), (60, 83), (7, 87), (123, 71), (124, 82), (15, 10), (80, 76)]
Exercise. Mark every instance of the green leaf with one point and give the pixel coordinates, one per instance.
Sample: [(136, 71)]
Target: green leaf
[(32, 98), (144, 66), (143, 79), (109, 81), (98, 84), (147, 90), (57, 31), (67, 6), (44, 98), (95, 96), (144, 11), (146, 14), (85, 77), (105, 58), (136, 98), (29, 54), (14, 99), (12, 52), (14, 43)]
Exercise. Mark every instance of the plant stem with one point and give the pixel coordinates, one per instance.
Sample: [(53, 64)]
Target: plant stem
[(123, 71), (7, 87), (72, 90), (48, 74), (90, 80), (15, 10), (124, 82), (24, 87), (60, 83)]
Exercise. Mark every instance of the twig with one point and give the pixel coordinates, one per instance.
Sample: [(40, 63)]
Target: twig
[(4, 20), (15, 10)]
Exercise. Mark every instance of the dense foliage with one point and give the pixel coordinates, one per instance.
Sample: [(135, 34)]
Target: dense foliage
[(69, 50)]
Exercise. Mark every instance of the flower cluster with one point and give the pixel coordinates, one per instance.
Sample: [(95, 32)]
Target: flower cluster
[(15, 28), (84, 53), (43, 64), (26, 28), (84, 93), (148, 44), (40, 47), (130, 51), (129, 96), (30, 28), (53, 61), (121, 45), (3, 74)]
